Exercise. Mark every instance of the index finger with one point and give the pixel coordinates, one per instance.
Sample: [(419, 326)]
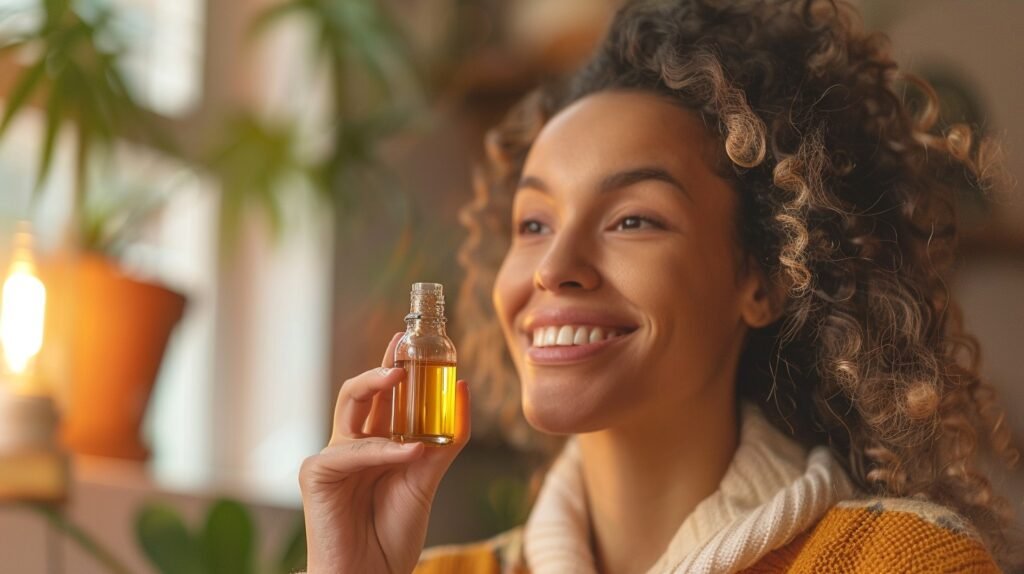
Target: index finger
[(358, 395), (389, 355)]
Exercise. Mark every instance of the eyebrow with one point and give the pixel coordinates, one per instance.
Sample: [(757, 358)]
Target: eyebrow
[(617, 180)]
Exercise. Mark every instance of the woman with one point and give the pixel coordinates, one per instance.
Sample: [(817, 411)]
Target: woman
[(723, 282)]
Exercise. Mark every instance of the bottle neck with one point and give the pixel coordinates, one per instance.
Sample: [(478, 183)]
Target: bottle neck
[(425, 324)]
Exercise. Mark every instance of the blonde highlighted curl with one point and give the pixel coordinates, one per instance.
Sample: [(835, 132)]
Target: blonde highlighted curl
[(847, 198)]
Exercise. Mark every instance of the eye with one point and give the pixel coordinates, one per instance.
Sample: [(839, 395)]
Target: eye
[(532, 227), (638, 222)]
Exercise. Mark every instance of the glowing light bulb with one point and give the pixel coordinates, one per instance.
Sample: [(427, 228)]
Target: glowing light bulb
[(23, 308)]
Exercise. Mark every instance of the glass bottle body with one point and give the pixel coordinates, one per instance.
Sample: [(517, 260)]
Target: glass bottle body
[(423, 404)]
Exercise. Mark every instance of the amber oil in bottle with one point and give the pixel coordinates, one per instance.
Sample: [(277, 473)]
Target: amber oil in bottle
[(423, 404)]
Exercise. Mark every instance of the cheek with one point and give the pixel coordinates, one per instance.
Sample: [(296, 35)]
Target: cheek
[(512, 288), (686, 292), (657, 278)]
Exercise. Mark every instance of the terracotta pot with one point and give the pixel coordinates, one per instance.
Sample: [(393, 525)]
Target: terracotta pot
[(118, 339)]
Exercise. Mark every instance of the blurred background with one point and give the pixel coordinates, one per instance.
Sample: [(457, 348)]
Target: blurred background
[(227, 201)]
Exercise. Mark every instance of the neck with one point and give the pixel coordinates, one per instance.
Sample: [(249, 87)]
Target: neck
[(642, 482)]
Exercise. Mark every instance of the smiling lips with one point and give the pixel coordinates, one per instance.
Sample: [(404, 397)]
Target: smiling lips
[(561, 336)]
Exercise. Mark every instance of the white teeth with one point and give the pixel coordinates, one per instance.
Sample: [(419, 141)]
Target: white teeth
[(568, 335)]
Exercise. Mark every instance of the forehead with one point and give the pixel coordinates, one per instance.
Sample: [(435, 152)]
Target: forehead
[(611, 130)]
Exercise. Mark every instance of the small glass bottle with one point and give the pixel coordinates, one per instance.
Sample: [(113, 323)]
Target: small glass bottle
[(423, 405)]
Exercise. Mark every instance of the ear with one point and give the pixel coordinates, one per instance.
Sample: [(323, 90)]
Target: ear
[(762, 300)]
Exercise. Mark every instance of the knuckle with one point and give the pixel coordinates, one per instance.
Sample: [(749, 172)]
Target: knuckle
[(345, 391)]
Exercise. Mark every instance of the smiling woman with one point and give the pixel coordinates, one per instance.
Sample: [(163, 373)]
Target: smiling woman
[(710, 268), (801, 270)]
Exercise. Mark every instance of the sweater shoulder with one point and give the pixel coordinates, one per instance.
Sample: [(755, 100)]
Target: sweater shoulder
[(501, 554), (910, 513), (888, 535)]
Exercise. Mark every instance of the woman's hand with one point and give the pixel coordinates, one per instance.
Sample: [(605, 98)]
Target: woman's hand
[(367, 499)]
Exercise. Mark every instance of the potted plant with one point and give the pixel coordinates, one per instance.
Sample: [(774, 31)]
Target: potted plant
[(120, 325)]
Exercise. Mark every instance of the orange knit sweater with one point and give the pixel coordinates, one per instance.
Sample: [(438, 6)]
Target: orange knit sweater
[(882, 535)]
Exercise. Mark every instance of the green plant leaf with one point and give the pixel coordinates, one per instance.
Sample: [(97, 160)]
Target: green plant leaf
[(53, 6), (76, 76), (257, 163), (52, 128), (166, 542), (356, 32), (19, 95), (228, 539), (506, 503), (293, 555)]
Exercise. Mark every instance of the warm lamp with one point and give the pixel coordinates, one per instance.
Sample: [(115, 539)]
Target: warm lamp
[(31, 466)]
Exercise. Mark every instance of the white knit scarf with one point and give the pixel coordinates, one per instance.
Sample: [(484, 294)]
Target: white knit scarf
[(772, 491)]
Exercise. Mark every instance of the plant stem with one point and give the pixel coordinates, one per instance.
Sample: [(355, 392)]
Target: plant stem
[(335, 165), (77, 223), (84, 540)]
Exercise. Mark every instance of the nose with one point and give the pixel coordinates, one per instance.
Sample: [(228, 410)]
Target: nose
[(566, 265)]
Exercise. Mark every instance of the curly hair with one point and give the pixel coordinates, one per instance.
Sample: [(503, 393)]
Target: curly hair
[(847, 198)]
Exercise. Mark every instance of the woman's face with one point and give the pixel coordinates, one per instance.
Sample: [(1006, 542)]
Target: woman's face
[(620, 296)]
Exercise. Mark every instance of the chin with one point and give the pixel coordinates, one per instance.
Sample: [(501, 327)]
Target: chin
[(549, 422), (555, 417)]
